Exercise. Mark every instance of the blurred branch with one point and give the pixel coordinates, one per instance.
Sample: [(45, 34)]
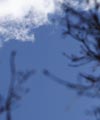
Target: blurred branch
[(16, 87), (74, 86)]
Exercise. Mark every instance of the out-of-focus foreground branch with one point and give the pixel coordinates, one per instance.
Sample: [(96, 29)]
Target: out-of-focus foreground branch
[(16, 87)]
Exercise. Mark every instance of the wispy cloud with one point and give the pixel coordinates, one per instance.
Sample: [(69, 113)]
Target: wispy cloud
[(18, 8), (17, 17)]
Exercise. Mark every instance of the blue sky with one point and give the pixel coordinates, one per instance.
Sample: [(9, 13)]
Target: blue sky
[(47, 100)]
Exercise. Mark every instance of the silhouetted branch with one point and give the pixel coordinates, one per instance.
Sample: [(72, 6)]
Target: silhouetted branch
[(85, 30), (84, 27)]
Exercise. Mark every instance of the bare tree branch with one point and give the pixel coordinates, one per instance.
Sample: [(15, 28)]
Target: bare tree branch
[(84, 27), (16, 87)]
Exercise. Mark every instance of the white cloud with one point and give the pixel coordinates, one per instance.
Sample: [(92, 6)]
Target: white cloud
[(18, 8), (17, 17)]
